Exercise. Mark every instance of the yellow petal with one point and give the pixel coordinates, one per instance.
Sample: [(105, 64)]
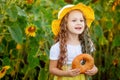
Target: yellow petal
[(3, 71)]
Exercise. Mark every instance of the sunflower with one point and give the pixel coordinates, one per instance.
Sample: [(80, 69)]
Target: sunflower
[(30, 30), (3, 71)]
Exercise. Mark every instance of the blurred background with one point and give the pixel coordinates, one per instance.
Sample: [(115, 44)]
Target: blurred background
[(26, 38)]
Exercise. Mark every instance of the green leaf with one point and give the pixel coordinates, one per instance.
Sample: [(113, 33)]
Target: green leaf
[(6, 61), (98, 31), (2, 47), (116, 41), (12, 12), (32, 60), (16, 32), (44, 58), (1, 17), (103, 40), (109, 24), (21, 12), (43, 74), (97, 9)]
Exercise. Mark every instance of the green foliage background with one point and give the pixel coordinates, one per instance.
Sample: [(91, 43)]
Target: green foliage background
[(32, 61)]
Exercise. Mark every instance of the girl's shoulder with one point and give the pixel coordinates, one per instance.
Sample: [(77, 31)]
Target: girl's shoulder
[(54, 51), (55, 46)]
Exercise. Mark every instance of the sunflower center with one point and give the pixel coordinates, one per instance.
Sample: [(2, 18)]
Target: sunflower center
[(3, 70), (31, 29)]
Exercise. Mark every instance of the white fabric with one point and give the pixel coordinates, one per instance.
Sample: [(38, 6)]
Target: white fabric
[(67, 6), (73, 51)]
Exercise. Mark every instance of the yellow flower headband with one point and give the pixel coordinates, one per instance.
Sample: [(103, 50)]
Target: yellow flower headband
[(86, 10)]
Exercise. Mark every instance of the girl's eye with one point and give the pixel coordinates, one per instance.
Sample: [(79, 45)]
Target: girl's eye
[(73, 20), (81, 20)]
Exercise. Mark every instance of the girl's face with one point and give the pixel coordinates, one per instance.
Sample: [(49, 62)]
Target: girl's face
[(76, 22)]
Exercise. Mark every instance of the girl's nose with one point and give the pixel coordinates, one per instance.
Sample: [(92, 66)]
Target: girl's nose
[(78, 22)]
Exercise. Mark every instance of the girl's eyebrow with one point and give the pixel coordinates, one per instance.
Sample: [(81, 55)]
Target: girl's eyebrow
[(79, 18)]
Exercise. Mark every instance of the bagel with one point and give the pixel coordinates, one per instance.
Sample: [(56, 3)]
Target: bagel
[(77, 62)]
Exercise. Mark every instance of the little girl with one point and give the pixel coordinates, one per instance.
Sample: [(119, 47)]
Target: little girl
[(72, 39)]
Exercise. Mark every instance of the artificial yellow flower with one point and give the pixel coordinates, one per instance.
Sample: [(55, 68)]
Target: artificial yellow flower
[(3, 71), (30, 30)]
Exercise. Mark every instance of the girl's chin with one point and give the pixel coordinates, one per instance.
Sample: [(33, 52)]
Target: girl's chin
[(79, 32), (76, 32)]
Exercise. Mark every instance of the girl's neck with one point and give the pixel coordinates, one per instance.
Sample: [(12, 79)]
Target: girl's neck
[(73, 40)]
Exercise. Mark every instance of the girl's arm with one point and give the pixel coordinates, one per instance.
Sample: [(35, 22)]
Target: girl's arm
[(54, 70)]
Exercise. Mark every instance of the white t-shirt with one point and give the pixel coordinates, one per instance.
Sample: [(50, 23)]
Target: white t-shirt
[(72, 52)]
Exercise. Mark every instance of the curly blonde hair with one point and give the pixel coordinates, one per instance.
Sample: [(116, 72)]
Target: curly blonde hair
[(63, 36)]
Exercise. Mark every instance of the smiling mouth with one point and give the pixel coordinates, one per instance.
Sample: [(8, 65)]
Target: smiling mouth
[(78, 28)]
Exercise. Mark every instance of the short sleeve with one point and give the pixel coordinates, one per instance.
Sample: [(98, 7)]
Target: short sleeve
[(54, 52)]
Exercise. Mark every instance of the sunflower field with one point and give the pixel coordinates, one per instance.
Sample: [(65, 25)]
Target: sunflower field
[(26, 38)]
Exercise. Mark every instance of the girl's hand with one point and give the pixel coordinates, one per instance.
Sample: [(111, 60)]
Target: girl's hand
[(73, 72), (92, 71)]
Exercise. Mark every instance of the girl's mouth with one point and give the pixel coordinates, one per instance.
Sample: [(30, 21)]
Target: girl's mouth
[(78, 28)]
